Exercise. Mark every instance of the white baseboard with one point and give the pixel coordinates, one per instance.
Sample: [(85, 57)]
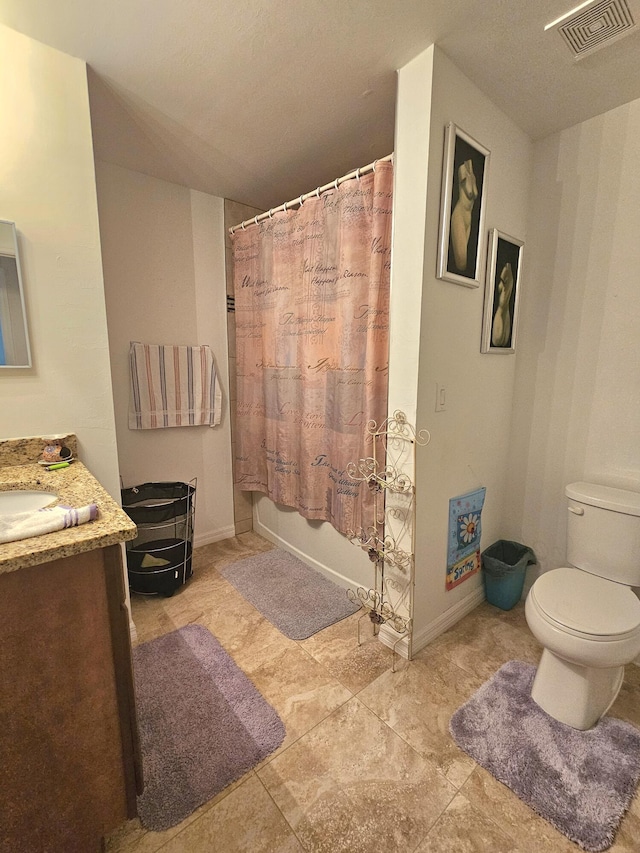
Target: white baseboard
[(336, 577), (429, 633), (213, 536), (390, 638), (386, 635)]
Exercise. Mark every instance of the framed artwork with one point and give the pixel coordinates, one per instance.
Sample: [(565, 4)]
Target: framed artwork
[(464, 179), (502, 292)]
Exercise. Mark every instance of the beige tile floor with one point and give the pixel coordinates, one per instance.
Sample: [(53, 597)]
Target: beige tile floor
[(367, 763)]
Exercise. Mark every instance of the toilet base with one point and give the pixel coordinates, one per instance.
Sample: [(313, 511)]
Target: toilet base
[(575, 695)]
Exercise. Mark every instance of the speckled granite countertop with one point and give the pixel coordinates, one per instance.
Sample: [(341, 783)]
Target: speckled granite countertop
[(75, 486)]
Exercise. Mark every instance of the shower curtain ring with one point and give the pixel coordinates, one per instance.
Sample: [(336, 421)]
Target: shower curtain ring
[(300, 201), (255, 219), (270, 213), (243, 228), (335, 183), (374, 166), (358, 174), (284, 206), (318, 192)]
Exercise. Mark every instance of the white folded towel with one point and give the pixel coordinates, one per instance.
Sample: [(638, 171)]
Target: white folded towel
[(23, 525)]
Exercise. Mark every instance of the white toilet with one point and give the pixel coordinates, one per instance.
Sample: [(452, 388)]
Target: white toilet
[(586, 615)]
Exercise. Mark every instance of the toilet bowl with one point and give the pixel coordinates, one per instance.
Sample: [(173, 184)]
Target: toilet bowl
[(589, 627)]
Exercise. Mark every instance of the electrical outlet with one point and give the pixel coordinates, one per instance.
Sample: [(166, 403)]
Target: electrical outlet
[(441, 398)]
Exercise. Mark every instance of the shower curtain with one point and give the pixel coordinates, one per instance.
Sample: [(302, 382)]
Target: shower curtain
[(312, 322)]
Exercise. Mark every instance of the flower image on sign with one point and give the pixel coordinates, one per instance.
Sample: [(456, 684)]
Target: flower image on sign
[(465, 528)]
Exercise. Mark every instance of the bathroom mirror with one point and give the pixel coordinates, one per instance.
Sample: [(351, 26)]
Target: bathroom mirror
[(14, 337)]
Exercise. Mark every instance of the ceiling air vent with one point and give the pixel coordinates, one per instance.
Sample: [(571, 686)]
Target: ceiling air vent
[(596, 24)]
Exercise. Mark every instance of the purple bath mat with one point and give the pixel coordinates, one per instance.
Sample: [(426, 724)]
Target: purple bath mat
[(581, 782), (295, 598), (202, 724)]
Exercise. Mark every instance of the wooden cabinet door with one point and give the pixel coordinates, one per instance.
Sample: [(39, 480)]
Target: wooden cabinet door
[(64, 781)]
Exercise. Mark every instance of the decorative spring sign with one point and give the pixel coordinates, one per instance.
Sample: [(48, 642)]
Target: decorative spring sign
[(465, 528)]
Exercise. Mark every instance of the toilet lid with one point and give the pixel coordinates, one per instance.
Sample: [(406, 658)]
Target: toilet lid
[(586, 603)]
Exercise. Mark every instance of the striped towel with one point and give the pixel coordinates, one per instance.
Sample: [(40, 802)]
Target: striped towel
[(24, 525), (172, 386)]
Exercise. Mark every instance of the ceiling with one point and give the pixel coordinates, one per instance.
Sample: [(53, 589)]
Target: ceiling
[(262, 100)]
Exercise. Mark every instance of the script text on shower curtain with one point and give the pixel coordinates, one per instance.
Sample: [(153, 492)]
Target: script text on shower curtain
[(312, 325)]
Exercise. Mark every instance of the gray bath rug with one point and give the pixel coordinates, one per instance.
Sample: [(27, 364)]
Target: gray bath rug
[(202, 724), (294, 597), (581, 782)]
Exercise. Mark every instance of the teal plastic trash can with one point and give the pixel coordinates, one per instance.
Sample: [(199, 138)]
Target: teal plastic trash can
[(504, 566)]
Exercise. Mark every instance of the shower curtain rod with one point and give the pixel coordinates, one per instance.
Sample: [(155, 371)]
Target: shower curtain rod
[(371, 167)]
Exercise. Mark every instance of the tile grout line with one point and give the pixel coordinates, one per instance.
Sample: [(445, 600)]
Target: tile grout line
[(284, 817), (229, 790), (212, 568), (423, 758), (403, 738)]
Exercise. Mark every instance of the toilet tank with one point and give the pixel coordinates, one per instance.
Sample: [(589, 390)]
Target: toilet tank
[(603, 531)]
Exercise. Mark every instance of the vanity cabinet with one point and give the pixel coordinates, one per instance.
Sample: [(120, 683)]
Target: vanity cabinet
[(69, 755)]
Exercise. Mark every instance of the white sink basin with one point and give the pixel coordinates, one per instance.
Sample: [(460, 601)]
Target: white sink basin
[(23, 500)]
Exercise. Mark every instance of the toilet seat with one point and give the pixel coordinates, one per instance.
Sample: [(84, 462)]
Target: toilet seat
[(586, 606)]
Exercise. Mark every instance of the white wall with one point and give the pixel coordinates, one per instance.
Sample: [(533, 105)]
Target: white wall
[(577, 402), (163, 258), (469, 440), (411, 158), (47, 187)]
